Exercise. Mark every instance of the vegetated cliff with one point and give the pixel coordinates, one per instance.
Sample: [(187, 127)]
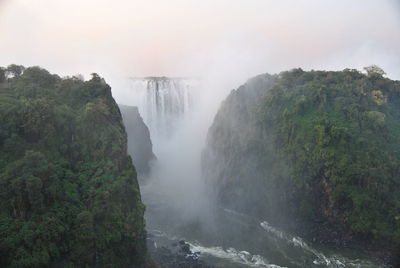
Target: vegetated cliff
[(69, 196), (140, 147), (317, 152)]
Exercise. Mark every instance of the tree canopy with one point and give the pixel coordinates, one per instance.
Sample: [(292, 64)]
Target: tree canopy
[(68, 190), (317, 147)]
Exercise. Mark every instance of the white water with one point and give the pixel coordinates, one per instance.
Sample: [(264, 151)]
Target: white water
[(233, 255), (163, 102), (293, 249), (334, 261)]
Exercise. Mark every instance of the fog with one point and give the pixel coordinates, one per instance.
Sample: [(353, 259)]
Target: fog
[(176, 176)]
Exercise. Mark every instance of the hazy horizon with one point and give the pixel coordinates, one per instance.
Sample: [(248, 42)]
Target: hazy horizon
[(190, 38)]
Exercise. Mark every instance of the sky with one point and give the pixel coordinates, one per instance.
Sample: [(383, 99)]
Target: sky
[(236, 38)]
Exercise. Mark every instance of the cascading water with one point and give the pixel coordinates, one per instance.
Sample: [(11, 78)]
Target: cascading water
[(163, 102)]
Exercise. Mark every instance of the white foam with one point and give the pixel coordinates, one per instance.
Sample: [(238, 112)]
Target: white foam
[(334, 261), (233, 255), (267, 227)]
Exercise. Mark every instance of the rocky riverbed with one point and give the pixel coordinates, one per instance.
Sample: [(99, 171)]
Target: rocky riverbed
[(175, 254)]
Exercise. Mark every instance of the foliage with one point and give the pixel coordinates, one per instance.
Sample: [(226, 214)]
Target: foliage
[(68, 190), (14, 70), (319, 147), (338, 132), (2, 74), (374, 71)]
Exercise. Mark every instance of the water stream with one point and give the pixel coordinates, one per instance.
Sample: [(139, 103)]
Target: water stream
[(226, 238)]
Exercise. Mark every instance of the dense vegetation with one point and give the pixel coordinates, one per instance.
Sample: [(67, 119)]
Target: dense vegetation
[(317, 147), (68, 190)]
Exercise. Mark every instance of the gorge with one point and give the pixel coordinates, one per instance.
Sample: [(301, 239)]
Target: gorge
[(246, 204), (200, 134), (296, 169)]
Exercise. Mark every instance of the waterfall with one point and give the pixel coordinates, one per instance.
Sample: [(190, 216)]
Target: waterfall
[(163, 102)]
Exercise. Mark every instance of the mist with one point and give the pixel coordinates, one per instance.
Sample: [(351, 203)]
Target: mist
[(176, 175)]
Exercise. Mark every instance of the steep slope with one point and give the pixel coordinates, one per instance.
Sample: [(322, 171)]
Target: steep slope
[(231, 158), (68, 190), (318, 153), (140, 147)]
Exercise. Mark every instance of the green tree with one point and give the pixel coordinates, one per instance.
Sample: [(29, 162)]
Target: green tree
[(310, 148), (374, 71), (2, 75), (68, 190), (14, 70)]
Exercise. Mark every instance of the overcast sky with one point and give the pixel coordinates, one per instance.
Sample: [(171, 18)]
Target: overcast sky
[(192, 37)]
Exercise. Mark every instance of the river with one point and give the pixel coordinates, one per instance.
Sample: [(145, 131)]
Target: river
[(226, 238)]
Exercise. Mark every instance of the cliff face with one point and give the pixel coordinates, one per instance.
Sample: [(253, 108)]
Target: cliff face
[(140, 147), (68, 190), (231, 159), (311, 149)]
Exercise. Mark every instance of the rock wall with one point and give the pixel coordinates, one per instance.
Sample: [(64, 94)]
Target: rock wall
[(140, 147)]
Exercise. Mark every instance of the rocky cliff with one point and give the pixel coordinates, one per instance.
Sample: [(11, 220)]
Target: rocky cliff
[(140, 147), (316, 152)]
